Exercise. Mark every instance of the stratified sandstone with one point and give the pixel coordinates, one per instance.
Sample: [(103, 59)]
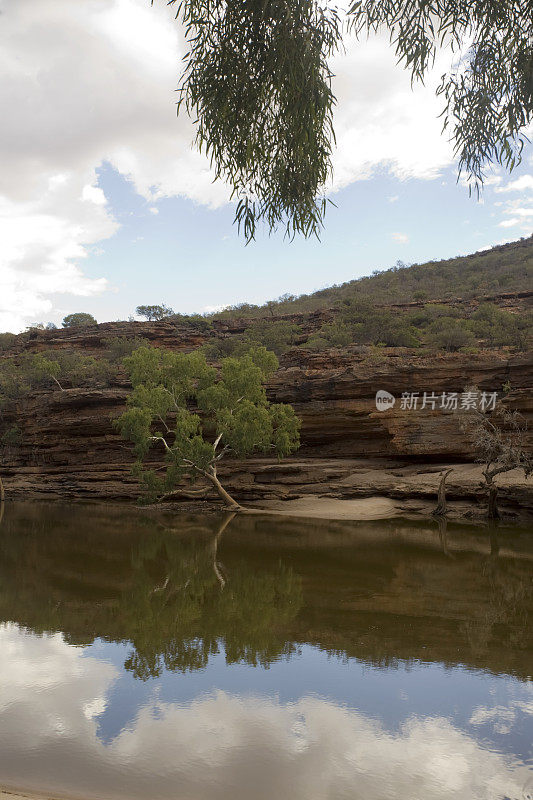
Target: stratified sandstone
[(69, 447)]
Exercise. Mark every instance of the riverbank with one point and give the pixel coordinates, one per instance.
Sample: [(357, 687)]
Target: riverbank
[(356, 489), (369, 489)]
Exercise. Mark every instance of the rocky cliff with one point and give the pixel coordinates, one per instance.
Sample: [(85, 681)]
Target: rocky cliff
[(69, 446)]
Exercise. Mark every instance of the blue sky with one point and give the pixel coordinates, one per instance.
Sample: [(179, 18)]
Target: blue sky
[(193, 258), (105, 205)]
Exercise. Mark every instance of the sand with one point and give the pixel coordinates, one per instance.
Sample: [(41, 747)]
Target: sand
[(7, 795), (365, 508)]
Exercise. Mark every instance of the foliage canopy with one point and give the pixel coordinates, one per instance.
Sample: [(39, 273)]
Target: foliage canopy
[(154, 313), (171, 391), (78, 319), (258, 82)]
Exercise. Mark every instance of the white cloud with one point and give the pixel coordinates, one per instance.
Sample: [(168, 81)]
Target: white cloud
[(519, 185), (94, 81), (42, 242), (93, 194), (394, 198), (517, 211), (82, 83), (509, 223), (401, 238), (381, 121), (153, 210)]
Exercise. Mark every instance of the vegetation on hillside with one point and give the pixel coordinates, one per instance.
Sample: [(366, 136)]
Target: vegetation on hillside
[(152, 313), (506, 268), (438, 306), (51, 368)]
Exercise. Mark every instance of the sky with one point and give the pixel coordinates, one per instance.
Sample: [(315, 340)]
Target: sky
[(105, 204)]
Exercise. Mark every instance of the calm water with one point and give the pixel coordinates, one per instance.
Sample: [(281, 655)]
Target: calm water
[(169, 659)]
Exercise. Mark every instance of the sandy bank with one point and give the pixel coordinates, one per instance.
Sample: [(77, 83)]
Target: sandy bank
[(7, 794), (366, 508)]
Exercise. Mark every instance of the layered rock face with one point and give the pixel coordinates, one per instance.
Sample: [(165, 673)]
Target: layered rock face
[(69, 446)]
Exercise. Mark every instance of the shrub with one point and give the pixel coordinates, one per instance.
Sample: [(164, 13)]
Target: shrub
[(12, 437), (215, 349), (316, 343), (193, 320), (14, 383), (336, 333), (275, 336), (499, 327), (7, 340), (51, 367), (450, 334), (120, 346)]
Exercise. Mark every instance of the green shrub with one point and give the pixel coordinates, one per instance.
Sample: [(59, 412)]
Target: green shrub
[(197, 321), (499, 327), (448, 333), (14, 382), (7, 340), (118, 347), (277, 336), (316, 343), (216, 349), (338, 334), (12, 437), (154, 313)]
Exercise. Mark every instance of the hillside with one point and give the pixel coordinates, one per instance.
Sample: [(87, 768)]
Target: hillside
[(481, 301), (61, 389), (507, 268)]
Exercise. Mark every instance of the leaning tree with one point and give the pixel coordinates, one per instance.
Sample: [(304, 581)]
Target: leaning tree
[(197, 415), (258, 83)]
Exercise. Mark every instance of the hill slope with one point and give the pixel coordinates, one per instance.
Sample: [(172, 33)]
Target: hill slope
[(506, 268)]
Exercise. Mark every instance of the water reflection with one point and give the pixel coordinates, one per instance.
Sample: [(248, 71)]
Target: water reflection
[(207, 658)]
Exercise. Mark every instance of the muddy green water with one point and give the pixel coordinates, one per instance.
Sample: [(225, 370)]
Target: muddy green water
[(173, 658)]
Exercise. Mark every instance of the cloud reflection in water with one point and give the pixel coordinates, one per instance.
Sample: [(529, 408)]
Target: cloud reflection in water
[(223, 745)]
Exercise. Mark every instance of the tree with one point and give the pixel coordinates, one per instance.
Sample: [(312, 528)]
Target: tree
[(499, 438), (258, 82), (237, 418), (154, 312), (440, 510), (78, 320)]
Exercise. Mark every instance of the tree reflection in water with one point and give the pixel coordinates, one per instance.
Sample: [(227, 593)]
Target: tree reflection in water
[(256, 588), (171, 601), (184, 620)]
